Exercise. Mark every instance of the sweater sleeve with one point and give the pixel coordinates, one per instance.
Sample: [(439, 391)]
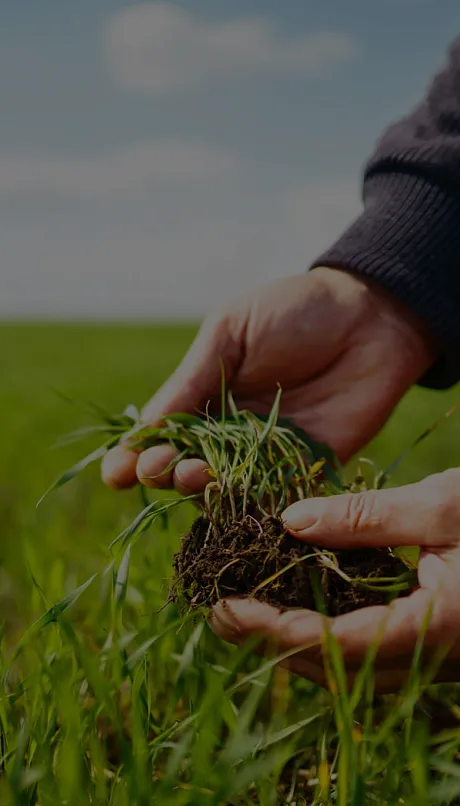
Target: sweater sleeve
[(408, 236)]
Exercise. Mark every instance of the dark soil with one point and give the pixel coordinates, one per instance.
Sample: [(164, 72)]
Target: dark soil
[(236, 560)]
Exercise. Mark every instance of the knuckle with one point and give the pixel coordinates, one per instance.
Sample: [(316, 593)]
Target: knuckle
[(221, 328), (449, 480), (361, 511), (214, 322), (445, 520), (289, 625), (293, 630), (218, 322)]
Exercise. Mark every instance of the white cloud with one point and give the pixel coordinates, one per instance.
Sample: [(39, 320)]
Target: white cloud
[(131, 170), (201, 258), (159, 47)]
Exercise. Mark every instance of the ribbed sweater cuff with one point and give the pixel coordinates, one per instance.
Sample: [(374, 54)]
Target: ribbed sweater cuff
[(408, 241)]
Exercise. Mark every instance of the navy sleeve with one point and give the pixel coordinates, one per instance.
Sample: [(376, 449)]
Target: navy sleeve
[(407, 238)]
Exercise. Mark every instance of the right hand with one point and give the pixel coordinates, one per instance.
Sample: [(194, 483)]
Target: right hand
[(342, 349), (426, 514)]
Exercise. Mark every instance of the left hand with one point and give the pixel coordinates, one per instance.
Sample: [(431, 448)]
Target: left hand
[(427, 515), (325, 337)]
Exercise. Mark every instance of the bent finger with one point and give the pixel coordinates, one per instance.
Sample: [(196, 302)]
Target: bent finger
[(191, 476), (118, 468), (391, 632), (155, 466), (237, 620)]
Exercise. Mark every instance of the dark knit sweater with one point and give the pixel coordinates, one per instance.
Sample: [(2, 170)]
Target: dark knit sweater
[(408, 236)]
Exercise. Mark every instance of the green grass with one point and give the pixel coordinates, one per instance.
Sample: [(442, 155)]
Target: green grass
[(110, 700)]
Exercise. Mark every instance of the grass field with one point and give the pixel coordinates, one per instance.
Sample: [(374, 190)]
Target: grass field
[(108, 701)]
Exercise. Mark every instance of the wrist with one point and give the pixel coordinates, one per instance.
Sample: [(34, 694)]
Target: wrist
[(409, 333)]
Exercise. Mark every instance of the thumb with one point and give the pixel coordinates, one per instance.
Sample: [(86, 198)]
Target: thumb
[(198, 378), (422, 514)]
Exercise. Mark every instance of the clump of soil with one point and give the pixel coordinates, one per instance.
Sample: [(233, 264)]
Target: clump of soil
[(260, 559)]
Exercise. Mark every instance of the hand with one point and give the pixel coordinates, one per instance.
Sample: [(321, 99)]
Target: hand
[(426, 514), (343, 351)]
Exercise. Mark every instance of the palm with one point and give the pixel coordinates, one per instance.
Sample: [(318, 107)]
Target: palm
[(427, 515)]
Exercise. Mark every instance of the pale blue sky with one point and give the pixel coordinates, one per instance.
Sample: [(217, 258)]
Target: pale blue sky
[(157, 158)]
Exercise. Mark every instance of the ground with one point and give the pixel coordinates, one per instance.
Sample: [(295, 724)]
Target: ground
[(111, 700)]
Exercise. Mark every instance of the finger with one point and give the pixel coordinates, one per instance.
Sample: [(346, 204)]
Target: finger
[(198, 377), (393, 637), (237, 620), (118, 468), (391, 632), (423, 514), (259, 620), (155, 466), (191, 476)]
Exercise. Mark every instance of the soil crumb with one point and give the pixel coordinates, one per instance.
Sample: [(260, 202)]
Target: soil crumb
[(260, 559)]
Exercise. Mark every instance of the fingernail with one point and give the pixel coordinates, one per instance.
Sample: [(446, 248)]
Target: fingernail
[(301, 515)]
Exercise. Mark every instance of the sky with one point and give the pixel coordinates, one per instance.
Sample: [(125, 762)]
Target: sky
[(160, 158)]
